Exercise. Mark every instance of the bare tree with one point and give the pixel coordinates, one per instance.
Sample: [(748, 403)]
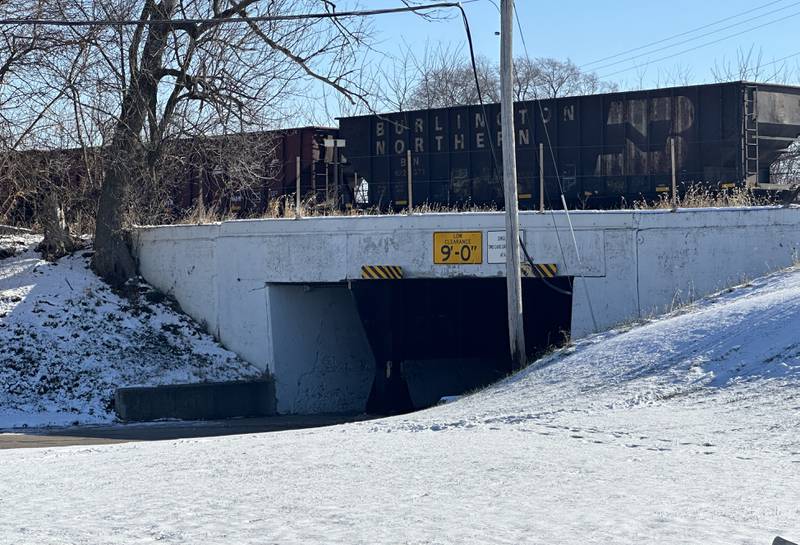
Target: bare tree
[(676, 75), (544, 77), (122, 96), (133, 91), (28, 181), (396, 81), (750, 65), (443, 77)]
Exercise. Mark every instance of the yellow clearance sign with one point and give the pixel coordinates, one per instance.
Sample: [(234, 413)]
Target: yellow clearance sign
[(458, 248)]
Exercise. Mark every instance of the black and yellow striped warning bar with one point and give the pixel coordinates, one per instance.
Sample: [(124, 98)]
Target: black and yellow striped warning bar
[(381, 272), (539, 270)]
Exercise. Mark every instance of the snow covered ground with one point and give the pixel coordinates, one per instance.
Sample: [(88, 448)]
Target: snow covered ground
[(681, 430), (67, 341)]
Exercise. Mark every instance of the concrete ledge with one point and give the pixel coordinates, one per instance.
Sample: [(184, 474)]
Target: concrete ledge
[(204, 401)]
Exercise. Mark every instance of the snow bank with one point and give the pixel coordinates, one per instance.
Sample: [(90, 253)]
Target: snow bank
[(67, 341), (681, 430), (747, 337)]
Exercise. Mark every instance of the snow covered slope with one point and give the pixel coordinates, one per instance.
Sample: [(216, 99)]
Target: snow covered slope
[(67, 341), (684, 430)]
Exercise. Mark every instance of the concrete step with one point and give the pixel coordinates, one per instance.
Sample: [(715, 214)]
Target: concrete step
[(203, 401)]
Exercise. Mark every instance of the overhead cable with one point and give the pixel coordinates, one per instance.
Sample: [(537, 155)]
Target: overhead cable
[(700, 46), (687, 33), (225, 20)]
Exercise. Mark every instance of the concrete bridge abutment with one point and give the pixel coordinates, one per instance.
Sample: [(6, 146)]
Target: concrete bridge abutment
[(280, 293)]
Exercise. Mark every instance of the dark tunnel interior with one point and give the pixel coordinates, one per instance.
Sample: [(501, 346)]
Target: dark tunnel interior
[(444, 337)]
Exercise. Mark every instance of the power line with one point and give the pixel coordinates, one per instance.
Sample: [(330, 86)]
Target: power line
[(700, 46), (220, 20), (695, 38), (776, 61), (686, 33), (478, 88), (563, 200), (468, 32)]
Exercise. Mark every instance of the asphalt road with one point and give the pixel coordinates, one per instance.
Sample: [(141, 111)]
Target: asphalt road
[(161, 431)]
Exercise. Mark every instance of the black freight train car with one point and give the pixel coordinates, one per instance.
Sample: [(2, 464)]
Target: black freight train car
[(602, 148)]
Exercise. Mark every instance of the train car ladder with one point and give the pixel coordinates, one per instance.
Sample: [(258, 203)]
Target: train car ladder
[(750, 129)]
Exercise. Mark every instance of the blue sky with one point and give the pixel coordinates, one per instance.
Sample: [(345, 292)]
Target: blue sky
[(586, 31)]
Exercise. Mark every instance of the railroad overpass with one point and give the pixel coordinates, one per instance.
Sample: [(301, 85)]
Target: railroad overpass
[(321, 303)]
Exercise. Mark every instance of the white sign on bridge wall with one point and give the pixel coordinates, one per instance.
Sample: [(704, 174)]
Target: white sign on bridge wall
[(496, 246)]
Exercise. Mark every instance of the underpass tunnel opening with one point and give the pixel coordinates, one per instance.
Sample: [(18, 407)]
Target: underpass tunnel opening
[(433, 338)]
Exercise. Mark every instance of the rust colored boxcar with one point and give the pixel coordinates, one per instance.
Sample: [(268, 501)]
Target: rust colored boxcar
[(271, 157)]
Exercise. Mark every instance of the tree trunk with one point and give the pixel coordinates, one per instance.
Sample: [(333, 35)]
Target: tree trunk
[(113, 260), (57, 240)]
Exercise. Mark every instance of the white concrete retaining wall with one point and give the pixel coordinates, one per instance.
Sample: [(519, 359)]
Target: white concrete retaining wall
[(635, 263), (318, 348)]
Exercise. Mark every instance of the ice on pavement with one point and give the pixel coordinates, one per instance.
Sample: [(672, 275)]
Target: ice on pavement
[(681, 430)]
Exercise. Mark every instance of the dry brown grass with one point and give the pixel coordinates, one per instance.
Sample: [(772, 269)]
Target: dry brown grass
[(285, 207), (698, 196), (201, 214)]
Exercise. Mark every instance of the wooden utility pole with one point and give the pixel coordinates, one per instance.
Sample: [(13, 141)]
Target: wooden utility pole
[(516, 330)]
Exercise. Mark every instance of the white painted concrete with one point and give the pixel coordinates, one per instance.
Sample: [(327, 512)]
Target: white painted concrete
[(182, 262), (636, 263), (320, 327)]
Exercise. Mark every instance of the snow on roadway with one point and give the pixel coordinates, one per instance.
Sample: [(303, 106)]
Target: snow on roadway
[(679, 431), (67, 341)]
